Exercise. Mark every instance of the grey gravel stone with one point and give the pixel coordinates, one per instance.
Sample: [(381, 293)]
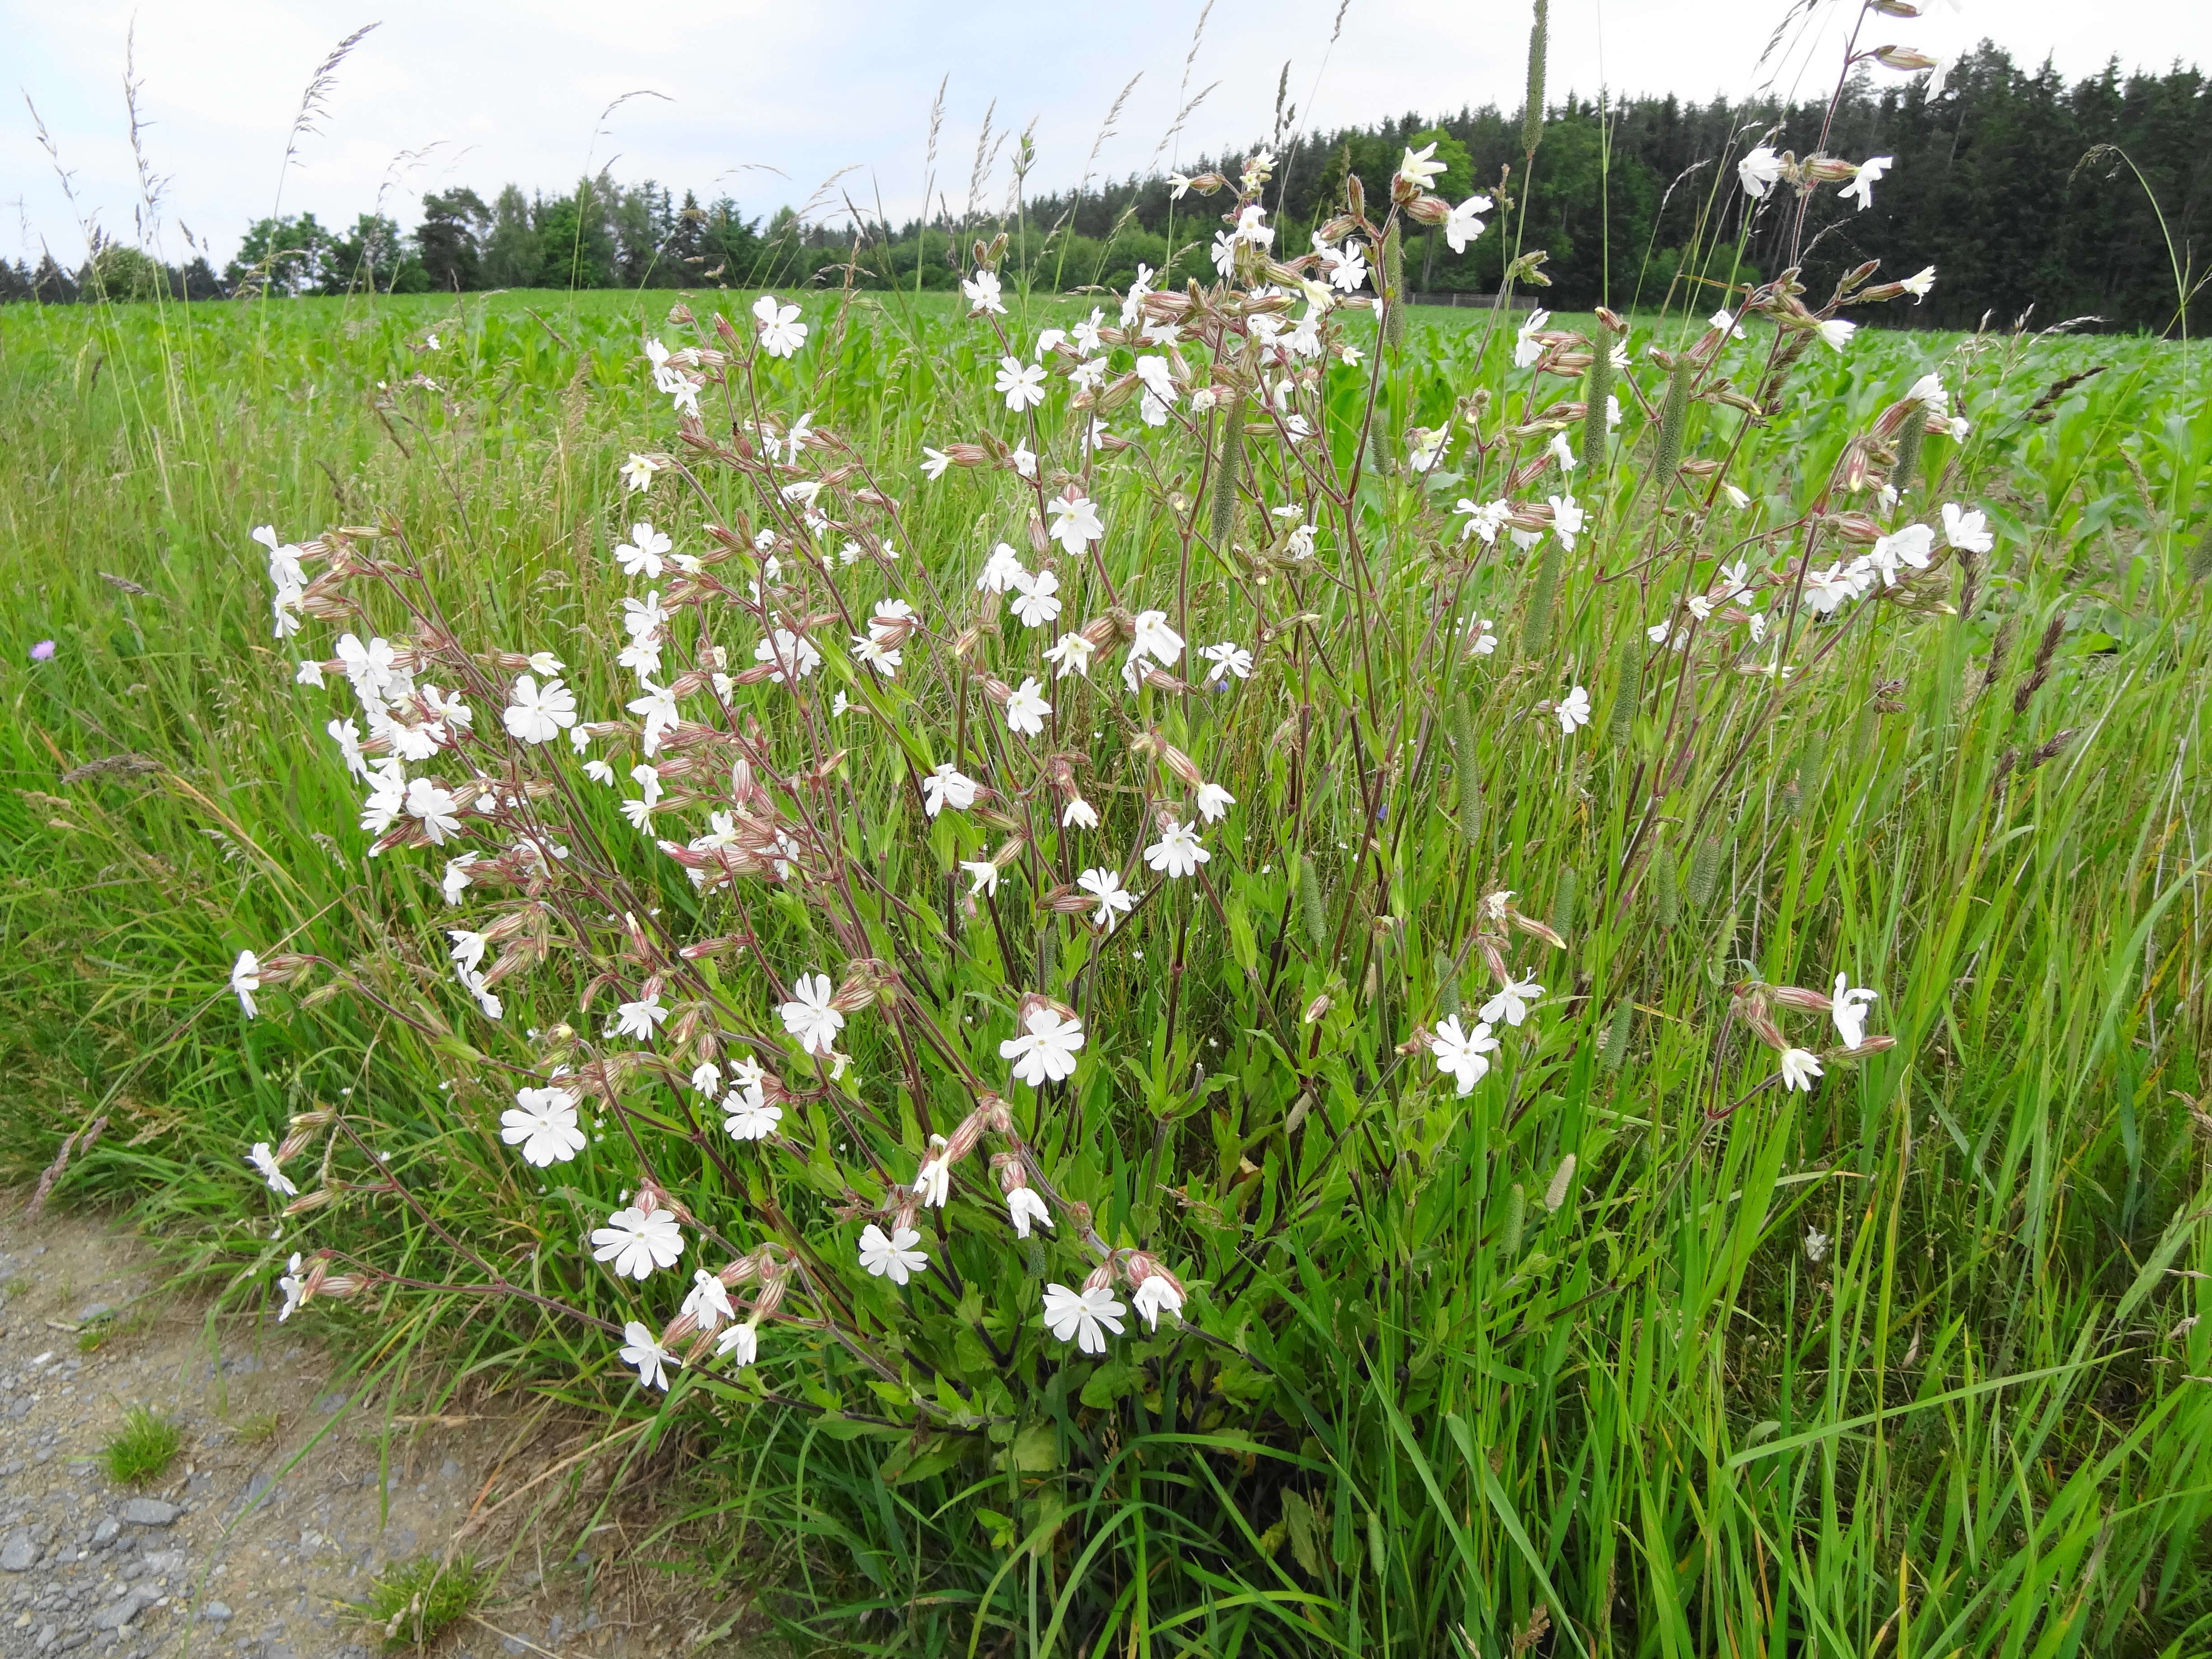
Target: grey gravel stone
[(105, 1530), (218, 1611), (18, 1553), (92, 1310), (150, 1512), (119, 1612)]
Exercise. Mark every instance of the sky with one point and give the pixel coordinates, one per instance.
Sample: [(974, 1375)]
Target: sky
[(770, 101)]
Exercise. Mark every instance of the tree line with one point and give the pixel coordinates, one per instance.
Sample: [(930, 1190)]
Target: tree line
[(2024, 190)]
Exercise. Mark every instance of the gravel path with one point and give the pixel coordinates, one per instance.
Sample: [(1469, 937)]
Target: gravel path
[(237, 1551)]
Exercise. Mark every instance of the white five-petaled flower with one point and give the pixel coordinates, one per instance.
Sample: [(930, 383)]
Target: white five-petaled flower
[(982, 876), (1157, 1295), (1967, 531), (1079, 814), (1757, 170), (1511, 1002), (639, 1020), (1154, 638), (932, 1181), (1075, 522), (1002, 572), (1847, 1008), (1527, 347), (637, 473), (1574, 710), (1462, 227), (1920, 282), (294, 1285), (1567, 518), (794, 654), (1082, 1316), (708, 1300), (983, 290), (1025, 1207), (540, 713), (1421, 169), (1026, 708), (892, 1255), (740, 1343), (1835, 333), (245, 980), (1863, 182), (1036, 598), (1214, 802), (782, 333), (1816, 1246), (636, 1243), (1113, 900), (1177, 853), (1021, 384), (947, 787), (639, 1349), (641, 556), (809, 1016), (1071, 655), (265, 1162), (1799, 1067), (1045, 1051), (543, 1123), (748, 1114), (1229, 658), (1461, 1054)]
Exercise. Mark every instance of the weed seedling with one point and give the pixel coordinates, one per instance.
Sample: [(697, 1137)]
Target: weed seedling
[(143, 1450)]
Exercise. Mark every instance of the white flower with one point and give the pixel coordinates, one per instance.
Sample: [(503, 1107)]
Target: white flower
[(892, 1256), (600, 772), (1021, 384), (1228, 657), (457, 879), (934, 462), (1113, 899), (1046, 1050), (1757, 170), (1737, 499), (1574, 710), (1036, 600), (809, 1015), (932, 1181), (782, 333), (1967, 531), (540, 713), (1024, 458), (1078, 1316), (1920, 282), (1929, 390), (1563, 452), (1070, 654), (640, 1350), (1567, 518), (749, 1116), (983, 290), (1848, 1007), (1462, 227), (793, 655), (1214, 802), (245, 980), (436, 807), (1346, 266), (1026, 708), (1080, 814), (637, 473), (1075, 524), (636, 1244), (543, 1123), (1419, 168), (708, 1302), (1025, 1207), (1911, 546), (1157, 1294), (1725, 320), (1799, 1067), (1484, 518), (1461, 1054), (657, 710), (947, 787), (1511, 1002), (1002, 572), (1837, 332), (1177, 853), (265, 1161), (1816, 1246), (1863, 182), (1154, 638), (294, 1285), (740, 1343), (984, 877), (639, 1020), (640, 554), (1825, 590)]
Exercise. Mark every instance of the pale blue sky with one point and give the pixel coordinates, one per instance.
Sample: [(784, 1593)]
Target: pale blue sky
[(514, 89)]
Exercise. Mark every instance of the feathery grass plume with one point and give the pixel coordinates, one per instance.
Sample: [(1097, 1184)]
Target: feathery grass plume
[(1812, 763), (1704, 871), (1447, 985), (1866, 732), (315, 104), (2046, 649), (1666, 889), (1627, 694), (1563, 903), (1597, 388), (1536, 627), (1394, 288), (1532, 116), (1909, 442), (1563, 1186), (1612, 1047), (1673, 424), (1464, 767), (1311, 908), (1516, 1217), (1232, 466)]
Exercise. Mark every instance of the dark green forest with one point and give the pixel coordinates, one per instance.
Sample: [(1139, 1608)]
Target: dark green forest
[(2027, 192)]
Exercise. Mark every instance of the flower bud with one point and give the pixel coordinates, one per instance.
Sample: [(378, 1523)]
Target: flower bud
[(1902, 57), (1319, 1006), (1428, 210)]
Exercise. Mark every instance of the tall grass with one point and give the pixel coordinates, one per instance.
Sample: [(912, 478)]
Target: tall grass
[(1454, 1400)]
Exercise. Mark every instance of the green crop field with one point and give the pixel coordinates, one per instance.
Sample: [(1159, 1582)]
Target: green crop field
[(1622, 1351)]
